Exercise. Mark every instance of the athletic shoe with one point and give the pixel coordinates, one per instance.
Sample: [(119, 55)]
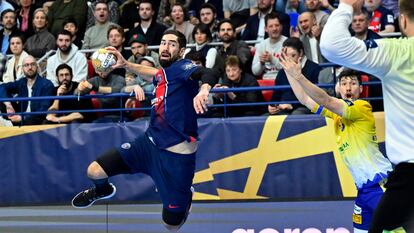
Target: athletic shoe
[(86, 198)]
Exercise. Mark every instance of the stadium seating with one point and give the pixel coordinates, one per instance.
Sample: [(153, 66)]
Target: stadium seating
[(267, 94)]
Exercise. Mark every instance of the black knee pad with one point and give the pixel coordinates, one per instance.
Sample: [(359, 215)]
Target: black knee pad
[(173, 218), (113, 163)]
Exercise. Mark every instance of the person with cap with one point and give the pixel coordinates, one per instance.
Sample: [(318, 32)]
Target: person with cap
[(145, 81), (139, 48)]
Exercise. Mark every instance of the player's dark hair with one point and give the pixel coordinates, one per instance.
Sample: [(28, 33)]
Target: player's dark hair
[(407, 8), (350, 73), (182, 42)]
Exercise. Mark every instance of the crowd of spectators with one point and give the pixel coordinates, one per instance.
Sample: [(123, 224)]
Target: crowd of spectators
[(74, 28)]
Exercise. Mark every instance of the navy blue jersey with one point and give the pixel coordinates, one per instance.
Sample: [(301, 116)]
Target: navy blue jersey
[(380, 18), (173, 118)]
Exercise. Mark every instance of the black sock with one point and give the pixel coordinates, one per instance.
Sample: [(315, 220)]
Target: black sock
[(102, 186)]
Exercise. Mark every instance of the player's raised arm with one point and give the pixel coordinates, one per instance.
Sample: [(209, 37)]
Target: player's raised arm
[(308, 93), (339, 47), (121, 62)]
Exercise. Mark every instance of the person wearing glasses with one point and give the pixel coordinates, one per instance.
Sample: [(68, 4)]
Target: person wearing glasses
[(30, 85)]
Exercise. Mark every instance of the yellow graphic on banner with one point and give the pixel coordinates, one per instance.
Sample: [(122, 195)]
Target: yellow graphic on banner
[(269, 151), (6, 132)]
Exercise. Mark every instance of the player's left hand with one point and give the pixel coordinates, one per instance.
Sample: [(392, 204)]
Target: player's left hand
[(121, 62), (200, 101), (291, 67)]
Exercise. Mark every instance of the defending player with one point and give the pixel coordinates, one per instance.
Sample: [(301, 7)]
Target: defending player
[(166, 151), (355, 131)]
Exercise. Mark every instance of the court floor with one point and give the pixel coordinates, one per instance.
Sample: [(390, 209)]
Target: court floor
[(229, 217)]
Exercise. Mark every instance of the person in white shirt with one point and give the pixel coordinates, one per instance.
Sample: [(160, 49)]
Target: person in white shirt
[(265, 61), (392, 61)]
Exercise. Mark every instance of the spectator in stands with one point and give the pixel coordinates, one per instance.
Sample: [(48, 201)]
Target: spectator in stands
[(14, 65), (231, 46), (391, 5), (129, 17), (148, 27), (8, 20), (69, 54), (179, 17), (255, 27), (294, 50), (197, 59), (314, 6), (144, 81), (67, 87), (96, 36), (4, 5), (31, 85), (208, 16), (104, 83), (360, 24), (382, 19), (25, 17), (217, 5), (239, 11), (71, 25), (265, 60), (290, 6), (61, 10), (113, 12), (310, 35), (235, 78), (139, 48), (202, 36), (42, 41), (116, 39)]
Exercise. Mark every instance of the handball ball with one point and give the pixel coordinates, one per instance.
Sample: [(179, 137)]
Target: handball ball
[(102, 60)]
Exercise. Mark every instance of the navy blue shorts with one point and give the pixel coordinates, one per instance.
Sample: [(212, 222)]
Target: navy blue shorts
[(365, 204), (172, 173)]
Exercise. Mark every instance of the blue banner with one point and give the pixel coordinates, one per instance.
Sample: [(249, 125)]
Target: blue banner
[(238, 158)]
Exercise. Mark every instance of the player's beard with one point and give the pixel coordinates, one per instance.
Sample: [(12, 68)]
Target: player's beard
[(167, 63)]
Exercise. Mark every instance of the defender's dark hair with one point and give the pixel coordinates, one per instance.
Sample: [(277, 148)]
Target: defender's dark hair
[(350, 73)]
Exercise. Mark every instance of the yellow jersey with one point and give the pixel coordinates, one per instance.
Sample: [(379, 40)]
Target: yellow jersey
[(357, 141)]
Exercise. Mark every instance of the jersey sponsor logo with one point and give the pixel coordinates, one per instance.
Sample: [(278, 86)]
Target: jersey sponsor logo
[(357, 218), (357, 209), (343, 148), (188, 66), (126, 146)]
